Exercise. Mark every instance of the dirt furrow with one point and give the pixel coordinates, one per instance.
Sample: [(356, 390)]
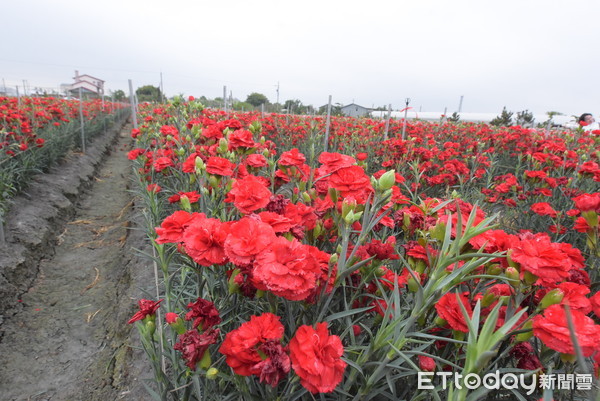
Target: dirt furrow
[(69, 339)]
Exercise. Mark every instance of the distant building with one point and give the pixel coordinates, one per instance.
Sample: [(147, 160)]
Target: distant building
[(89, 85), (354, 110)]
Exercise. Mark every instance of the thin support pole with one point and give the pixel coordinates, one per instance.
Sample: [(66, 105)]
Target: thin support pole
[(133, 108), (81, 119), (327, 123)]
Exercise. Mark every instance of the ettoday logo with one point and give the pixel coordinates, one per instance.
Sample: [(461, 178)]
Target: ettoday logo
[(472, 381)]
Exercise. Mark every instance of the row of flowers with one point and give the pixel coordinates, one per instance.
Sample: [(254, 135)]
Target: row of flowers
[(37, 131), (356, 270)]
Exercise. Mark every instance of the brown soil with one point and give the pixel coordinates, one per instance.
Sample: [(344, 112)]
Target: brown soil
[(67, 338)]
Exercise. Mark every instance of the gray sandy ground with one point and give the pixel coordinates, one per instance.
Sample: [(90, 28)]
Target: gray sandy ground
[(68, 339)]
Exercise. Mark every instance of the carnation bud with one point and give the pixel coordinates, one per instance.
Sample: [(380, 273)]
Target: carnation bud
[(348, 205), (513, 276), (521, 337), (568, 358), (213, 181), (149, 326), (185, 203), (306, 197), (234, 288), (426, 363), (352, 217), (200, 166), (413, 285), (180, 152), (552, 298), (223, 145), (440, 321), (333, 195), (488, 299), (333, 259), (196, 130), (212, 373), (175, 322), (494, 269), (206, 360), (387, 180), (529, 277)]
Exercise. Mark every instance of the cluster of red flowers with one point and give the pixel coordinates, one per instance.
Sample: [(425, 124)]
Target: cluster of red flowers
[(272, 220)]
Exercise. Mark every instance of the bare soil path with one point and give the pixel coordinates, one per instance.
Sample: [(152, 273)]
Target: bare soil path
[(68, 339)]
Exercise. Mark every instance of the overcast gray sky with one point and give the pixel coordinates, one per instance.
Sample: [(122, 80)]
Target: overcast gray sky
[(539, 55)]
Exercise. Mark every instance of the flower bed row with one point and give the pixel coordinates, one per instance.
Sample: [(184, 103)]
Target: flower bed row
[(36, 132), (284, 271)]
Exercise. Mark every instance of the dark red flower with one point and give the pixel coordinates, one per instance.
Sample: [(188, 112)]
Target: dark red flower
[(147, 308), (193, 345), (204, 314)]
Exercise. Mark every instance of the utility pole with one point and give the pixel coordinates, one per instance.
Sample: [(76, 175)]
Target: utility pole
[(277, 93), (225, 98), (162, 93), (460, 103)]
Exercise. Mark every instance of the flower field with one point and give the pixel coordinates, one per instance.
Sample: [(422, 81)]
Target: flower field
[(289, 271), (36, 131)]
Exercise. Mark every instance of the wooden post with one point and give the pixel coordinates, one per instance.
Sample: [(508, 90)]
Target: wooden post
[(327, 123), (406, 103), (387, 122), (132, 103), (81, 118)]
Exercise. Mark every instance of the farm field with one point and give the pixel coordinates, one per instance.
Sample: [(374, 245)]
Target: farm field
[(241, 256)]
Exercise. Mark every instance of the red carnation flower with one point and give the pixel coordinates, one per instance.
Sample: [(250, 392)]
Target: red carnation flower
[(204, 313), (256, 160), (449, 310), (292, 158), (351, 181), (544, 209), (335, 161), (241, 345), (241, 138), (248, 237), (204, 240), (316, 358), (193, 345), (249, 194), (542, 258), (588, 202), (595, 301), (287, 269), (575, 297), (361, 156), (219, 166), (172, 228), (162, 163), (553, 330), (147, 308)]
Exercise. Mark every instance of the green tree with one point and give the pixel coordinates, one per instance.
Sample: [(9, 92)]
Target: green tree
[(148, 93), (525, 118), (119, 95), (256, 99), (454, 118), (504, 119)]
